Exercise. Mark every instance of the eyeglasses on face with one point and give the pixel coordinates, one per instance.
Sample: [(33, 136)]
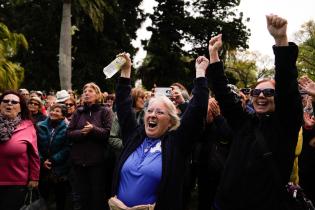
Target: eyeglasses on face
[(268, 92), (69, 104), (33, 104), (156, 111), (6, 101)]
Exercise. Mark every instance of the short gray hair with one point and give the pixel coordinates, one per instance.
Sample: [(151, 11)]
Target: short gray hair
[(171, 109)]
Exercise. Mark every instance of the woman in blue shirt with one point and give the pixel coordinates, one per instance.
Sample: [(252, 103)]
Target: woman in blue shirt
[(151, 166)]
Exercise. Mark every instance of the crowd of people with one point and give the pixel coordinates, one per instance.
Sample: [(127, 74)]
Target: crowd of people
[(138, 149)]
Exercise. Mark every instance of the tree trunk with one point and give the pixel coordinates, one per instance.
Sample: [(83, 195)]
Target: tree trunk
[(65, 47)]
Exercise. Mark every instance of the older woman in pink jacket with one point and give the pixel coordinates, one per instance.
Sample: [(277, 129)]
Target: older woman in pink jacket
[(19, 159)]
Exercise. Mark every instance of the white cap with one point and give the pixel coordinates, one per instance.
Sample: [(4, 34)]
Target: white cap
[(62, 96)]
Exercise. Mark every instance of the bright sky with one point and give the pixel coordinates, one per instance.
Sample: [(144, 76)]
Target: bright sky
[(296, 12)]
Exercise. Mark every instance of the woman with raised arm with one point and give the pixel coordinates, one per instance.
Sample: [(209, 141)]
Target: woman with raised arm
[(150, 169), (262, 151)]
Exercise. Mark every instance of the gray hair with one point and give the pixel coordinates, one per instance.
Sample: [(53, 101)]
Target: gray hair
[(171, 109)]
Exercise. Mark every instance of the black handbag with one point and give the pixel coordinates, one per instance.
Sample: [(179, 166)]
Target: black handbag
[(33, 201)]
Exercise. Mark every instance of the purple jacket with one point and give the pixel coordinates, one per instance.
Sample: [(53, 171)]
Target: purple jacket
[(89, 149)]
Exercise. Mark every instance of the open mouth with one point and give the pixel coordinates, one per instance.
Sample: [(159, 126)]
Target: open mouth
[(152, 124), (8, 109), (262, 104)]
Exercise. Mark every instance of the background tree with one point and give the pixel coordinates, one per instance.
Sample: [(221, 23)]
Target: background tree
[(306, 59), (11, 72), (242, 68), (209, 18), (265, 65), (95, 10), (174, 27), (40, 23), (91, 50), (165, 61)]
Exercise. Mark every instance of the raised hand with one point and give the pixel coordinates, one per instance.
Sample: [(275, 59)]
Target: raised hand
[(126, 68), (201, 65), (215, 45), (213, 110), (309, 121), (277, 27), (308, 86), (214, 107), (177, 96)]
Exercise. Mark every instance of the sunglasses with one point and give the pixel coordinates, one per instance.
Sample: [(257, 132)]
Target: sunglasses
[(268, 92), (69, 104), (6, 101), (245, 90)]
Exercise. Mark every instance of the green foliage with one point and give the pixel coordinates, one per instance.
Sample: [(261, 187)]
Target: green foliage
[(99, 49), (214, 17), (306, 59), (244, 71), (95, 10), (173, 27), (11, 72), (241, 67), (165, 61), (40, 22)]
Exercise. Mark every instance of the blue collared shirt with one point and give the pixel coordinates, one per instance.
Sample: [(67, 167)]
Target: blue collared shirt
[(141, 174)]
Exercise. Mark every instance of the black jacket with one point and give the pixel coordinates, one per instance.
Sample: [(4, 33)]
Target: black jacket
[(253, 177), (176, 145)]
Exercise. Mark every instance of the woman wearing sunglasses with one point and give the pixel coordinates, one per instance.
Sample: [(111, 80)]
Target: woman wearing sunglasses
[(19, 159), (71, 105), (262, 151), (34, 106), (151, 166)]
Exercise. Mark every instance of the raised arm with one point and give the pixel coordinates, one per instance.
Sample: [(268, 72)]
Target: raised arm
[(192, 121), (287, 97), (230, 105), (125, 112)]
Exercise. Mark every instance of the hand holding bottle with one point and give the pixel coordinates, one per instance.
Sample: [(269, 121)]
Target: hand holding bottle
[(121, 61), (126, 68)]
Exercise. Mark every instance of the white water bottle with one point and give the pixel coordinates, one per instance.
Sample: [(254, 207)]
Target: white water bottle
[(112, 68)]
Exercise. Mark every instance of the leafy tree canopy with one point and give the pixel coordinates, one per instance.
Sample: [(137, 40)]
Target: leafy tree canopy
[(92, 49), (306, 59), (11, 72), (174, 27)]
